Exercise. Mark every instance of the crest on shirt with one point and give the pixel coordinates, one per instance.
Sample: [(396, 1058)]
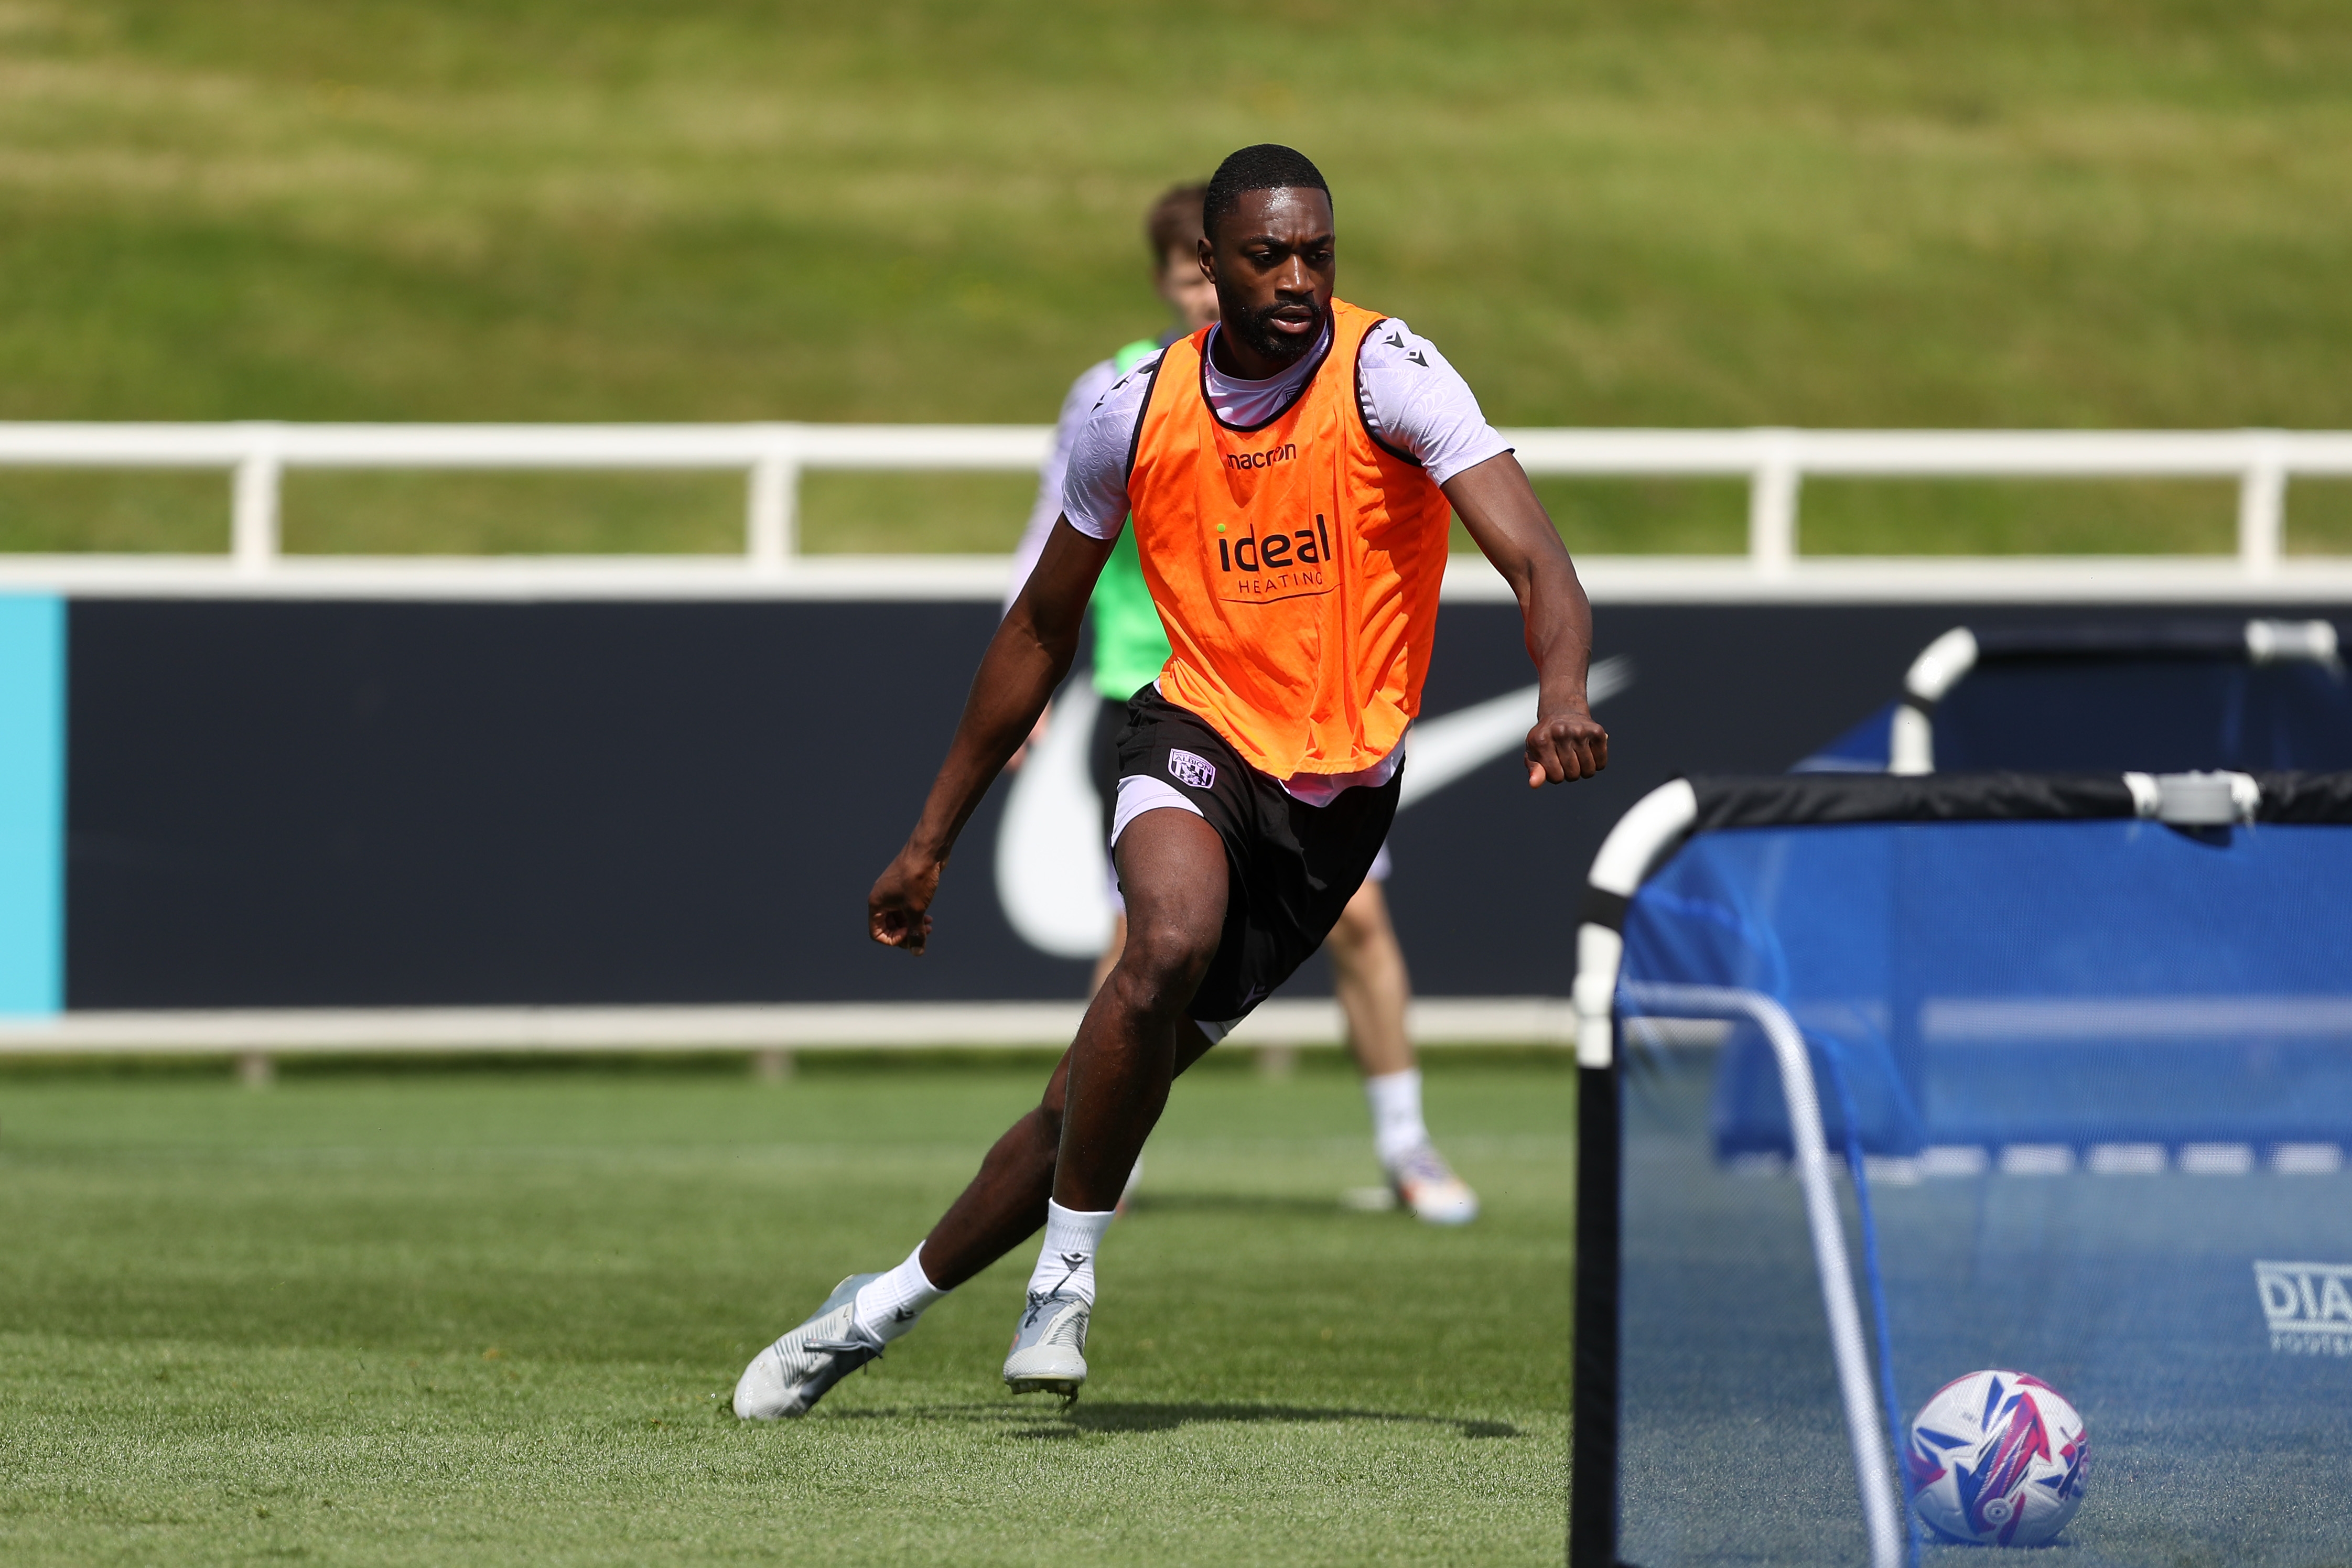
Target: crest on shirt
[(1198, 772)]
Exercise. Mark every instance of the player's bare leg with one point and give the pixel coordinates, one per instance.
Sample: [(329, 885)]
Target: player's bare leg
[(1103, 964), (1369, 975), (1136, 1038), (1173, 864), (1061, 1164), (1031, 1145), (1110, 1088), (1111, 950)]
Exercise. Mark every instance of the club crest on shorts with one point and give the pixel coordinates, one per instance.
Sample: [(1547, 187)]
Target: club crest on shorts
[(1185, 768)]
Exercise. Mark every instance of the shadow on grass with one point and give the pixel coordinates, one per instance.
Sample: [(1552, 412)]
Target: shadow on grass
[(1232, 1203), (1138, 1415), (1081, 1419)]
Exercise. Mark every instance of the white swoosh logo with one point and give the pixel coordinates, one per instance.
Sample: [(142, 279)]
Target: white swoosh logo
[(1443, 751), (1052, 874)]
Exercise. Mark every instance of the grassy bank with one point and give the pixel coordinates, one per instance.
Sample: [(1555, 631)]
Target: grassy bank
[(1839, 213)]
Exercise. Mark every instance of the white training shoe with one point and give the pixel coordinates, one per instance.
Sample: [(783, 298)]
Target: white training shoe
[(1426, 1184), (1049, 1348), (795, 1373)]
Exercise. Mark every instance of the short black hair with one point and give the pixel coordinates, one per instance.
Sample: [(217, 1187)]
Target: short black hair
[(1269, 166)]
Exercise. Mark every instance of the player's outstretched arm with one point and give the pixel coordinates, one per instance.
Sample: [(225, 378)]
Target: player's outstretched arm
[(1499, 508), (1026, 659)]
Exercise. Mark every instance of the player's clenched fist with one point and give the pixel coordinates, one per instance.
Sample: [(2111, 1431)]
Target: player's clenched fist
[(1566, 748), (898, 910)]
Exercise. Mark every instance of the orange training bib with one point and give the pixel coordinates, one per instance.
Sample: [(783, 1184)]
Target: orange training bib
[(1295, 565)]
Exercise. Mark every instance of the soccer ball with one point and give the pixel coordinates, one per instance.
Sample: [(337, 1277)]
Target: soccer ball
[(1997, 1458)]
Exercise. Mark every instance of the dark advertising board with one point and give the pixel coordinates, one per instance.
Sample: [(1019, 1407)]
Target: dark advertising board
[(284, 802)]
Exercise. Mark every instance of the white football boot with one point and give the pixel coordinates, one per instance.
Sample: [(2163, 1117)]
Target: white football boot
[(1049, 1348), (1426, 1184), (795, 1373)]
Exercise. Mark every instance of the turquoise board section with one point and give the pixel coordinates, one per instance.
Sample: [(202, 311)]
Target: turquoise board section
[(32, 803)]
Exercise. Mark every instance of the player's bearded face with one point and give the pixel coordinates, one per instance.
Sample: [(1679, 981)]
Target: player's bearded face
[(1272, 260), (1254, 326)]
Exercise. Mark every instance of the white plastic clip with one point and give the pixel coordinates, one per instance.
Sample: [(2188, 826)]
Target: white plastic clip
[(2202, 799), (2267, 642)]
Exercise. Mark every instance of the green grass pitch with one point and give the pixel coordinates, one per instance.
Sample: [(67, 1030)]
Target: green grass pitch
[(486, 1317)]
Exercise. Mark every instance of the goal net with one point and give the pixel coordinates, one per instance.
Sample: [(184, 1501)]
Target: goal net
[(1888, 1081)]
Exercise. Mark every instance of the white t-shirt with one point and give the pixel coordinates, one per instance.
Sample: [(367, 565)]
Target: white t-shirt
[(1411, 399), (1084, 393)]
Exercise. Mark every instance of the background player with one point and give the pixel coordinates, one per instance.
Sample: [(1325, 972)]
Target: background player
[(1368, 967), (1289, 473)]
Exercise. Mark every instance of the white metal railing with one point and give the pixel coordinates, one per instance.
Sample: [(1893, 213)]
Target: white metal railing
[(1775, 463), (772, 456)]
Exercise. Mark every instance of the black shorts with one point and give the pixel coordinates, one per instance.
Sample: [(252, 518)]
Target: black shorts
[(1290, 867)]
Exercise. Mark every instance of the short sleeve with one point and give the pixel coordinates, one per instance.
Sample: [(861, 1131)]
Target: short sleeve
[(1419, 404), (1093, 495), (1084, 393)]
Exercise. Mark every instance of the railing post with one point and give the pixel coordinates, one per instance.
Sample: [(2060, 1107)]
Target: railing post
[(1772, 504), (253, 510), (2262, 504), (771, 521)]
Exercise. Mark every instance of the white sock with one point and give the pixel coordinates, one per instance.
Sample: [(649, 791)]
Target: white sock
[(1066, 1261), (888, 1304), (1397, 1126)]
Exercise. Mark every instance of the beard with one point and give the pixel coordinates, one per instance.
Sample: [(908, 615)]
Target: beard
[(1255, 328)]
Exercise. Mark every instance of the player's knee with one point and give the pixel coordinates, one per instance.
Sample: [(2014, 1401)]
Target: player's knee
[(1164, 961), (1173, 948)]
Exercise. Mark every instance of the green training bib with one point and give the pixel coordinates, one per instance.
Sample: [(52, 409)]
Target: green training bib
[(1130, 645)]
